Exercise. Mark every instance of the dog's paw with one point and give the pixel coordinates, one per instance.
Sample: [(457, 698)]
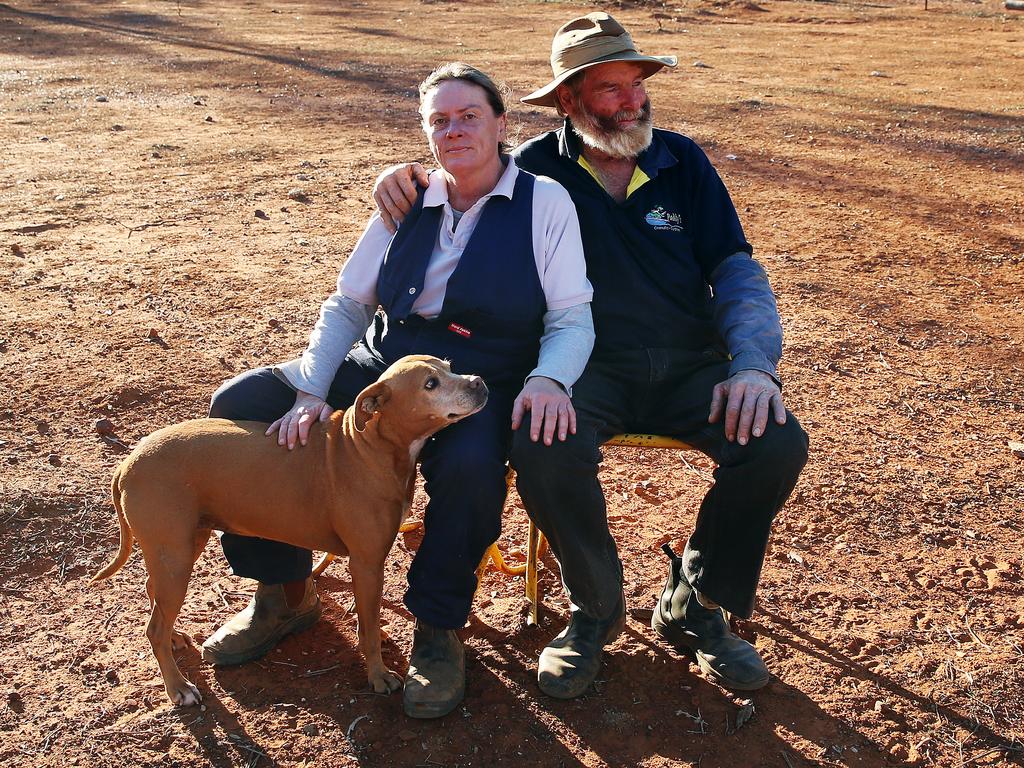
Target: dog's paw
[(180, 641), (184, 694), (386, 682)]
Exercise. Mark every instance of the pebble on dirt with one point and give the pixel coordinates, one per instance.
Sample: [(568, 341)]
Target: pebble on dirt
[(260, 214), (104, 427), (54, 459), (298, 193)]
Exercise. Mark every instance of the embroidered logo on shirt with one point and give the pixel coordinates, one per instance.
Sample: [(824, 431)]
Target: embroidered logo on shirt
[(460, 329), (659, 218)]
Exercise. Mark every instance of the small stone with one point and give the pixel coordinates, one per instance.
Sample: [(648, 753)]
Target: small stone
[(112, 677), (297, 193), (153, 335), (12, 459), (302, 177), (745, 712), (701, 65), (260, 214), (104, 427), (44, 138), (876, 73), (273, 322), (209, 119), (1017, 449), (117, 127), (311, 729), (42, 427), (406, 735), (101, 99), (54, 459), (879, 706)]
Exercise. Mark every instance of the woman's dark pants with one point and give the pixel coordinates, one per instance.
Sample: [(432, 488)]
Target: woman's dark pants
[(464, 469), (666, 392)]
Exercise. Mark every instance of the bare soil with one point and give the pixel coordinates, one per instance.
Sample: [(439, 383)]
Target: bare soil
[(149, 249)]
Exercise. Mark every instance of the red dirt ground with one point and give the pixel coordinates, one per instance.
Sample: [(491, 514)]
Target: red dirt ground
[(875, 152)]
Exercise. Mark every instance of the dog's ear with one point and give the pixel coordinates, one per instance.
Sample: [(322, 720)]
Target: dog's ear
[(369, 402)]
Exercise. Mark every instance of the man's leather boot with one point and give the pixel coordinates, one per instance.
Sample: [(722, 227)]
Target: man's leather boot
[(436, 681), (703, 634), (268, 618), (570, 662)]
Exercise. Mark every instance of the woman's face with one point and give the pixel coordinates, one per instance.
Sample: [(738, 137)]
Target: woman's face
[(461, 127)]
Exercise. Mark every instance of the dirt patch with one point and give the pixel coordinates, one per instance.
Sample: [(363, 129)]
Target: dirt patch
[(149, 249)]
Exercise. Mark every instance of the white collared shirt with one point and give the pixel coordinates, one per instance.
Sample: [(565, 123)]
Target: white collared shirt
[(557, 247), (558, 252)]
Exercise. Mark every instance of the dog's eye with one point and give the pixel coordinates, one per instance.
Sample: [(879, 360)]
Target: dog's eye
[(431, 383)]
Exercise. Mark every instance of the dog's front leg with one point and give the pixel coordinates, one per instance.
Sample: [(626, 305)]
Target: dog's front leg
[(368, 586)]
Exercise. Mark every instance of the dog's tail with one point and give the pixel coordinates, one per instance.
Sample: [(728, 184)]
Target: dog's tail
[(125, 549)]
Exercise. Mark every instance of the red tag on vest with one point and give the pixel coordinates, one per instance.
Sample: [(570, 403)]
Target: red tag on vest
[(461, 330)]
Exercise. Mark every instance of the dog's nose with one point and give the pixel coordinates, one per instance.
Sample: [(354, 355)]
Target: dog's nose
[(475, 382)]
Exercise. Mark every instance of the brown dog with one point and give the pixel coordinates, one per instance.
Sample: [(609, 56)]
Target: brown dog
[(345, 492)]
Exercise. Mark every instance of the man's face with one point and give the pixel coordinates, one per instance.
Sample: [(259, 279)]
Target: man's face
[(610, 110)]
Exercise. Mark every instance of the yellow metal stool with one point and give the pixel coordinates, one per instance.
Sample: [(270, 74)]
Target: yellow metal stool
[(537, 543)]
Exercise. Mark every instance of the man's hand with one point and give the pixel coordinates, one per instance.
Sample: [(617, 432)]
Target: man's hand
[(295, 424), (745, 397), (550, 408), (394, 192)]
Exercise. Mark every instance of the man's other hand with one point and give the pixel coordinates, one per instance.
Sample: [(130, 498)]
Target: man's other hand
[(745, 398)]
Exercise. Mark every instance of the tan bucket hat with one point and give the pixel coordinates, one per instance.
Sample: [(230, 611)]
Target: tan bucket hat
[(592, 39)]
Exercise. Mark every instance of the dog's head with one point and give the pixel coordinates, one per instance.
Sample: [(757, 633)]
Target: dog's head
[(421, 395)]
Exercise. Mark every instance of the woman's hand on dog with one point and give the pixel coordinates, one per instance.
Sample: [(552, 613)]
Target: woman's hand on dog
[(294, 426)]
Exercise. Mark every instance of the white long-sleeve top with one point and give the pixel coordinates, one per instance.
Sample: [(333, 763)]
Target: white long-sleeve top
[(558, 250)]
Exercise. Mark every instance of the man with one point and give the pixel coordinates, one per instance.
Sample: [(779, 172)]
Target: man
[(688, 339)]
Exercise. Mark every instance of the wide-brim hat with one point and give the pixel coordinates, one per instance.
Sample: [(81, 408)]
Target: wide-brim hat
[(593, 39)]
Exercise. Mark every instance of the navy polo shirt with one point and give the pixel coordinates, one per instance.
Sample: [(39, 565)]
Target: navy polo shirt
[(650, 257)]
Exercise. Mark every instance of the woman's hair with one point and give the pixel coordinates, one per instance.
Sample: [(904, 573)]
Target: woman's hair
[(458, 70)]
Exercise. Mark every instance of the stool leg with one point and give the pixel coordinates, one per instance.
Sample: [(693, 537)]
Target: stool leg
[(532, 588), (322, 563)]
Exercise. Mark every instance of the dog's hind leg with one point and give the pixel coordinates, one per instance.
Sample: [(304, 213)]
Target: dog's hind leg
[(368, 586), (169, 572), (179, 640)]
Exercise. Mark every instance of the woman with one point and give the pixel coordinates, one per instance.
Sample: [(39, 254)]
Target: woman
[(486, 271)]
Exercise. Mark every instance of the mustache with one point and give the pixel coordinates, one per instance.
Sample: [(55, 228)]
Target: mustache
[(611, 124), (641, 115)]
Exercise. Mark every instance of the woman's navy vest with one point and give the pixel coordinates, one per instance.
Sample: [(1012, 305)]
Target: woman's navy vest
[(491, 319)]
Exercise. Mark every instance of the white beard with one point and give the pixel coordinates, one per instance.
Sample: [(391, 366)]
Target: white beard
[(624, 144)]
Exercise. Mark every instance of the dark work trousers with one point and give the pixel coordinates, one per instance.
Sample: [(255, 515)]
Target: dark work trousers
[(464, 469), (666, 392)]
